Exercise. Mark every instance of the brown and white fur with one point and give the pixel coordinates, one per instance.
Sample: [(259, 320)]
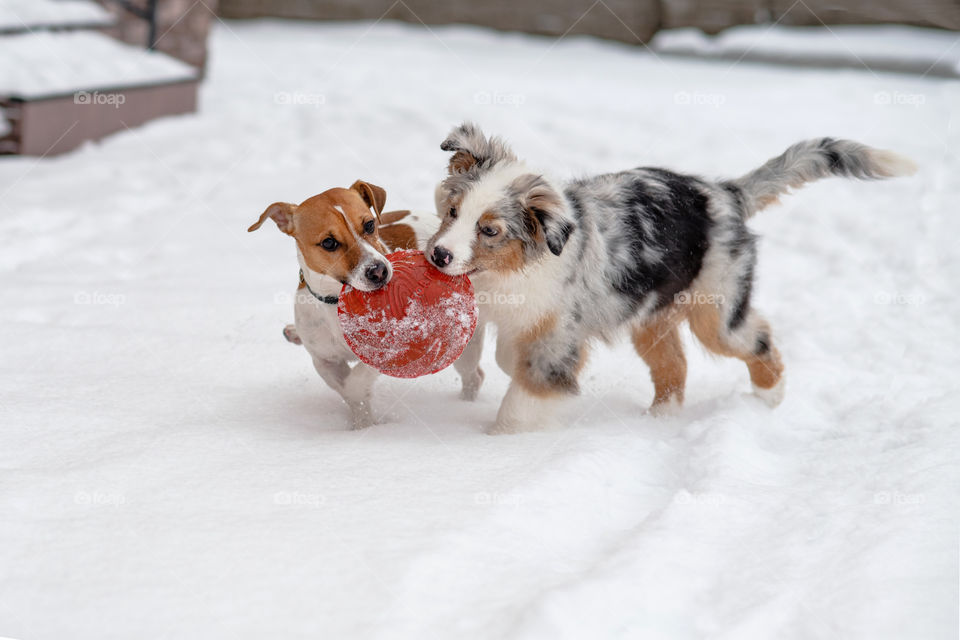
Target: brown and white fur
[(638, 251), (342, 236)]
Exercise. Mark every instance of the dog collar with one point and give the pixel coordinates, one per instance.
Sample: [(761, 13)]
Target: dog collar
[(324, 299)]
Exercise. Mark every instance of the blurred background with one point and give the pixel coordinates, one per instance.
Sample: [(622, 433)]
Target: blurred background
[(61, 66)]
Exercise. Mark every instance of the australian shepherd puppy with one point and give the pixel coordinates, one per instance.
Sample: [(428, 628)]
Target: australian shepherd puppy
[(559, 264)]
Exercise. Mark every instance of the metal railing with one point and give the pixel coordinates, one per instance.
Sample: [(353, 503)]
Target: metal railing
[(147, 13)]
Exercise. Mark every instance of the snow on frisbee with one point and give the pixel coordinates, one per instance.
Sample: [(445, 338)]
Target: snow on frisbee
[(417, 324)]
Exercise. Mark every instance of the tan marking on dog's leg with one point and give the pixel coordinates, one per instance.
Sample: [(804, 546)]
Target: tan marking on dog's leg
[(751, 342), (522, 346), (530, 348), (660, 347)]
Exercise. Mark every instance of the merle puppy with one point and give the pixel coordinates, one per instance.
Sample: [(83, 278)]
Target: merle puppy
[(558, 264)]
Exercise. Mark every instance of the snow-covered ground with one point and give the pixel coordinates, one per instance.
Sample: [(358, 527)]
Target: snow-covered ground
[(170, 467), (23, 15), (868, 47), (42, 64)]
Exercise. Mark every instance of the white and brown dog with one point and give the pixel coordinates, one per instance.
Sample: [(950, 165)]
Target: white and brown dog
[(342, 236), (640, 250)]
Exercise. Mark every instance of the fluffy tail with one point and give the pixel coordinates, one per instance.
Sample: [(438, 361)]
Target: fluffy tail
[(814, 159)]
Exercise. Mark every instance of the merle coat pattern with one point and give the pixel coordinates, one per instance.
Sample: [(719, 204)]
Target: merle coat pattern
[(640, 250)]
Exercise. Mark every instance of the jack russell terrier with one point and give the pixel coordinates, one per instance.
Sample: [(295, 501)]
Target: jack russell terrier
[(342, 237)]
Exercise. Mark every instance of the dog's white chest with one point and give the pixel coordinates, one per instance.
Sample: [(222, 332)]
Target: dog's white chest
[(319, 329)]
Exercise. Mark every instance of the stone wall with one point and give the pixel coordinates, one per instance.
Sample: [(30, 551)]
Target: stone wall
[(626, 20)]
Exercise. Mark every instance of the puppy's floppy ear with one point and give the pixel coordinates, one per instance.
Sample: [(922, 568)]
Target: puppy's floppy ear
[(279, 212), (547, 208), (374, 196), (470, 147)]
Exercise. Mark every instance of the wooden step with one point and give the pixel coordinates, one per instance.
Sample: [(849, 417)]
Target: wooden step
[(59, 89), (18, 16)]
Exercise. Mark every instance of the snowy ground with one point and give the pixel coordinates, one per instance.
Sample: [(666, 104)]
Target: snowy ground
[(41, 63), (889, 47), (171, 468)]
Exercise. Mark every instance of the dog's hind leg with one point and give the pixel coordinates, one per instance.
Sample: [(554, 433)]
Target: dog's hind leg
[(742, 334), (468, 365), (659, 344)]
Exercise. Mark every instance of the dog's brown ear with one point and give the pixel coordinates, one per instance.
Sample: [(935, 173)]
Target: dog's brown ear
[(546, 208), (470, 147), (374, 196), (279, 212), (460, 162)]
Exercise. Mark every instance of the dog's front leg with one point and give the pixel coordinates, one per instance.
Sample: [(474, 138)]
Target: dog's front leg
[(357, 393), (333, 372), (505, 352), (468, 365), (354, 385), (544, 364), (522, 411)]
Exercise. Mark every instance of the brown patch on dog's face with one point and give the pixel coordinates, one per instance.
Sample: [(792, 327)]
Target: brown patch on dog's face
[(495, 245), (498, 252), (331, 229), (336, 232)]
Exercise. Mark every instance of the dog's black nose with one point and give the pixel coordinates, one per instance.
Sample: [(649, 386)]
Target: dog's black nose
[(441, 257), (377, 273)]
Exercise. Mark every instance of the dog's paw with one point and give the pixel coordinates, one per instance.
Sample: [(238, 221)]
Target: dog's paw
[(290, 333), (361, 422), (774, 395), (503, 428), (361, 416), (471, 386), (666, 408)]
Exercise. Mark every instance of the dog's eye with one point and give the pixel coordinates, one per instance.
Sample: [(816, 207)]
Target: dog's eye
[(369, 226), (489, 231), (330, 244), (453, 212)]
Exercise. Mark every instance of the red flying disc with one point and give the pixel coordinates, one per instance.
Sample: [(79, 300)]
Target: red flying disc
[(417, 324)]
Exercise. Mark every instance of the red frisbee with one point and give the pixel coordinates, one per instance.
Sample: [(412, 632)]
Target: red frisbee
[(419, 323)]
